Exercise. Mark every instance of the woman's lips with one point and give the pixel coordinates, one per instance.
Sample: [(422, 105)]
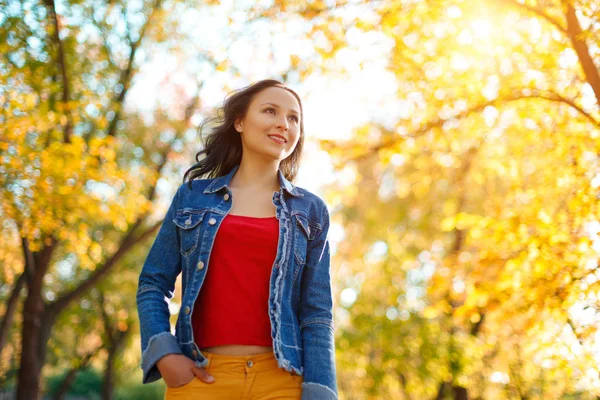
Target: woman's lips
[(277, 139)]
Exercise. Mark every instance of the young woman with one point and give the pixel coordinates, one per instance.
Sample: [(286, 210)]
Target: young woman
[(256, 317)]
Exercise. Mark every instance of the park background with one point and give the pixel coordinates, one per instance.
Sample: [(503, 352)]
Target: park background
[(456, 143)]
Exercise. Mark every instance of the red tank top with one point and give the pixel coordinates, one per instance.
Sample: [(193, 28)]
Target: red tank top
[(233, 304)]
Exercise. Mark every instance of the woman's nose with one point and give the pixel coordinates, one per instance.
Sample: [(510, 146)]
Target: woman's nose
[(283, 123)]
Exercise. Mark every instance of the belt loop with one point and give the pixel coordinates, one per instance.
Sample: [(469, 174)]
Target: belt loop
[(208, 358)]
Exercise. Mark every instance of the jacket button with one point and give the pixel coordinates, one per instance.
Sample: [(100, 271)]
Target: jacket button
[(226, 197), (187, 310), (200, 265), (195, 353), (212, 221), (250, 363)]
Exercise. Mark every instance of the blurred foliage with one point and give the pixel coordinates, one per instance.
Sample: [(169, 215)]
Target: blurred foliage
[(88, 383), (133, 391)]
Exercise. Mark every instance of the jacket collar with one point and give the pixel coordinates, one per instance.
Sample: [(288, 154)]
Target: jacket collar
[(223, 181)]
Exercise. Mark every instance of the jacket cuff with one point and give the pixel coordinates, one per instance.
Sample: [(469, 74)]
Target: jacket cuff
[(158, 346), (316, 391)]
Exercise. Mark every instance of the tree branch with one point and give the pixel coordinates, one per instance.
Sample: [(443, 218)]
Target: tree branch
[(11, 308), (571, 323), (539, 11), (70, 376), (105, 318), (127, 73), (63, 69), (553, 96), (106, 46), (437, 122), (126, 244), (574, 32)]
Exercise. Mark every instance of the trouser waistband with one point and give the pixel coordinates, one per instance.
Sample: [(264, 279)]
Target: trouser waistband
[(250, 363)]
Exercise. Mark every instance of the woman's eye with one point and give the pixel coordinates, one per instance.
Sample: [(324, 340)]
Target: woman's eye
[(270, 109), (294, 118)]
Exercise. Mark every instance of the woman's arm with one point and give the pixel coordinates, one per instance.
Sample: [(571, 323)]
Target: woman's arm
[(156, 287), (316, 320)]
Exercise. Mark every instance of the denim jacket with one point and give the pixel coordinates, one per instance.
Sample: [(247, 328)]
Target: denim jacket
[(300, 299)]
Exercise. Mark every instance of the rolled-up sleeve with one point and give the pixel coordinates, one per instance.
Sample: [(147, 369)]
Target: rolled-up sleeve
[(156, 287)]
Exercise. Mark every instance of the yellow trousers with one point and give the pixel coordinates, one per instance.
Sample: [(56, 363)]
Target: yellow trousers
[(254, 377)]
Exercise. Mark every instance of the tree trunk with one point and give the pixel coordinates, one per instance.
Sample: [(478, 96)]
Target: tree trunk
[(109, 372), (31, 359), (404, 386), (11, 308), (114, 349), (37, 321), (441, 389), (460, 393), (37, 324)]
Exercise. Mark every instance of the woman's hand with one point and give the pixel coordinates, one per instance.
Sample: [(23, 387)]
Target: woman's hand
[(178, 370)]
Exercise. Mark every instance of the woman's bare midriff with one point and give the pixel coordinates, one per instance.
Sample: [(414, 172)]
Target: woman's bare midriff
[(238, 349)]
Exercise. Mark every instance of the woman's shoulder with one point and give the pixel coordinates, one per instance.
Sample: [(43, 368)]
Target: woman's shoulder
[(310, 197), (195, 185), (190, 193), (313, 204)]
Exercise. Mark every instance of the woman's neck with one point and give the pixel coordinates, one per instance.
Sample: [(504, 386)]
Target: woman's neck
[(256, 176)]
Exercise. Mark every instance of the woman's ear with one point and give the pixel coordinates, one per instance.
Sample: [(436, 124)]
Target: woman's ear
[(238, 125)]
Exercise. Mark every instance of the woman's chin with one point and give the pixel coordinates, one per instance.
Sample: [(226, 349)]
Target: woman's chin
[(277, 156), (271, 154)]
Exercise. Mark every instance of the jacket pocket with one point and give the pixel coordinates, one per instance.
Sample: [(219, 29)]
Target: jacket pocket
[(305, 231), (188, 222)]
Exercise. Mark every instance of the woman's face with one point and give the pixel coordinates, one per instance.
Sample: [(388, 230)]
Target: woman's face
[(271, 126)]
